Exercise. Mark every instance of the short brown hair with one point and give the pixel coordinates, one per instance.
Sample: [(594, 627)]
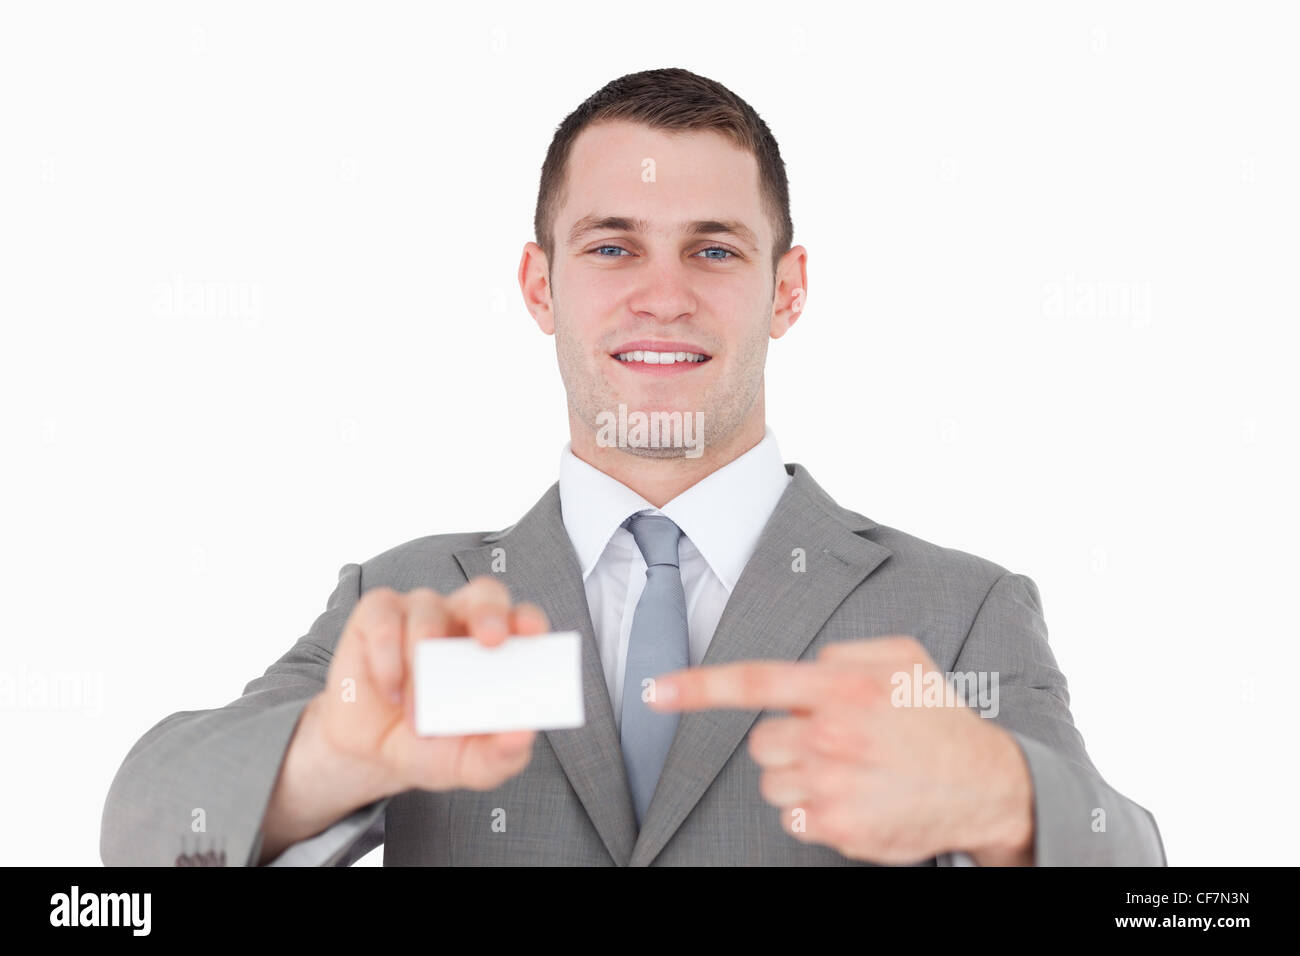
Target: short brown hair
[(678, 100)]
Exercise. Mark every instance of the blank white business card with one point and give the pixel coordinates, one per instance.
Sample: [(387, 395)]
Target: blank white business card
[(526, 683)]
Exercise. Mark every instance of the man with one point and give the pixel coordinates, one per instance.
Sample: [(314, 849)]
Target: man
[(754, 654)]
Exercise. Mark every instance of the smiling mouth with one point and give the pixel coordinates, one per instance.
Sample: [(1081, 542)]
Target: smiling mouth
[(646, 357)]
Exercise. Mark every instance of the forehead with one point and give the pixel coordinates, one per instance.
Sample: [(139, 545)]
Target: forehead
[(696, 174)]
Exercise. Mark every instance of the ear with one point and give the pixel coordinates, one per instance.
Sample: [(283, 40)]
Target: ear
[(790, 290), (534, 283)]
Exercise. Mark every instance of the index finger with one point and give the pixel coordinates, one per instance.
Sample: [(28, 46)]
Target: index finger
[(778, 685), (482, 607)]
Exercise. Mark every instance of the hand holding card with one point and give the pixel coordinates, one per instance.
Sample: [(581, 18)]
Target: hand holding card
[(366, 715)]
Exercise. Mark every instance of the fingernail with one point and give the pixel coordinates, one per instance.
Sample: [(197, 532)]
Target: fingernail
[(665, 692)]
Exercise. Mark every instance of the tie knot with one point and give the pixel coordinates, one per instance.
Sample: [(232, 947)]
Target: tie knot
[(657, 537)]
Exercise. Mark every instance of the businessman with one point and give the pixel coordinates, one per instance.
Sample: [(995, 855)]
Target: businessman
[(753, 652)]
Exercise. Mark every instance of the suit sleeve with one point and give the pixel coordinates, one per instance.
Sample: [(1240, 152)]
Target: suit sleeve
[(203, 779), (342, 844), (955, 859), (1079, 820)]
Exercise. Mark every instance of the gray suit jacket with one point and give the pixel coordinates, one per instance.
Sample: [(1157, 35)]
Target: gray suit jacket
[(571, 805)]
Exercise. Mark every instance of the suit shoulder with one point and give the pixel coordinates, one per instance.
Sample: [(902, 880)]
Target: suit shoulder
[(428, 561), (916, 556), (912, 560)]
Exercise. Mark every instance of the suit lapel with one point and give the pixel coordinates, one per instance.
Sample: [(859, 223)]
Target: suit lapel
[(773, 613), (540, 566)]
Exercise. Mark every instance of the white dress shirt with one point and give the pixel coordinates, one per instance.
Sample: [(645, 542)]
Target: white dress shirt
[(721, 518)]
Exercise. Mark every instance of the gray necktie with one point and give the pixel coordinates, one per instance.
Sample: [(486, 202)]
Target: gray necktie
[(658, 644)]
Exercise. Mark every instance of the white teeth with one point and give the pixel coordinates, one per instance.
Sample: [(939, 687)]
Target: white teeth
[(659, 358)]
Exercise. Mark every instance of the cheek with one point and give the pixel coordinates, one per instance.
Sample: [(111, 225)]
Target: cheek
[(578, 328), (599, 290), (588, 313), (742, 308)]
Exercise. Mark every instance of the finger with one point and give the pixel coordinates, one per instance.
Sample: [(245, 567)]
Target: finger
[(776, 685), (780, 741), (482, 607), (833, 733), (426, 617), (814, 779), (378, 619), (526, 618), (348, 666), (510, 743), (871, 685), (487, 760), (786, 786)]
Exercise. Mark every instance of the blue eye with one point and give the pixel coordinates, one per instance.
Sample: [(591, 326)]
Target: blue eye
[(726, 253)]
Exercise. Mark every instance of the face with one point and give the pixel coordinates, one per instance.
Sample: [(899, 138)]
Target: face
[(661, 293)]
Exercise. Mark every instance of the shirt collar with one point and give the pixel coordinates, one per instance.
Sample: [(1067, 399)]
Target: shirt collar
[(723, 514)]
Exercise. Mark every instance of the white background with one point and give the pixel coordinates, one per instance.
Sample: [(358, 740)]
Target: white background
[(1052, 290)]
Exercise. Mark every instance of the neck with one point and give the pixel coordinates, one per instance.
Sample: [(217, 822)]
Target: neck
[(660, 480)]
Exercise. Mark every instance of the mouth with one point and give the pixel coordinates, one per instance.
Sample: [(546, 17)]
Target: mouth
[(660, 357)]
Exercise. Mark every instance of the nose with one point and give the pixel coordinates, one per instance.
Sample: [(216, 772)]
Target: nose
[(664, 291)]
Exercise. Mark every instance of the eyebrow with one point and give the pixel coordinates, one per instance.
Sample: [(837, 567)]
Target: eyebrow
[(700, 227)]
